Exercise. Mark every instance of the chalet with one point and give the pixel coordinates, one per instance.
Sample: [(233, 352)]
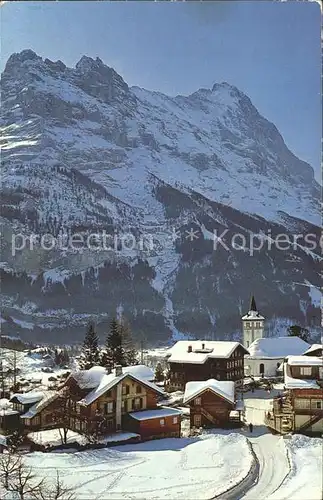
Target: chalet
[(119, 401), (203, 360), (267, 354), (210, 402), (314, 350), (35, 409), (300, 407)]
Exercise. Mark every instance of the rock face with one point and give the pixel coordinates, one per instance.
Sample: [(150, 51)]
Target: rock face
[(157, 177)]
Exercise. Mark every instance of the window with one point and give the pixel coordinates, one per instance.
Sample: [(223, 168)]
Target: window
[(125, 389), (78, 409), (247, 325), (162, 422), (137, 403), (257, 324), (320, 372), (306, 370), (108, 407), (77, 425), (262, 368), (317, 404), (36, 420), (175, 420), (303, 404), (197, 420), (138, 389), (197, 401)]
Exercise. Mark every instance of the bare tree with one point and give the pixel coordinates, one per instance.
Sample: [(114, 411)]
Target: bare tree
[(57, 491), (9, 464), (18, 478)]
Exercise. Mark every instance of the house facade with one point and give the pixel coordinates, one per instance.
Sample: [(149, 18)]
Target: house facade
[(267, 354), (122, 402), (203, 360), (210, 402), (300, 407)]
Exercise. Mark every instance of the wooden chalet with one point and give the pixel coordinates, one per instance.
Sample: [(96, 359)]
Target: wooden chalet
[(203, 360), (300, 407), (119, 401), (35, 409), (211, 403)]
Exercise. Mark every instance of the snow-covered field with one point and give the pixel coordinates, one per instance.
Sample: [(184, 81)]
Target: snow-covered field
[(188, 468)]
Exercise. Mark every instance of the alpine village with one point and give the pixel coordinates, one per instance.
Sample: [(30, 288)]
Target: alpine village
[(114, 395)]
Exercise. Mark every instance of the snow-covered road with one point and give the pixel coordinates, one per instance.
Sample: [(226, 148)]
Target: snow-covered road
[(273, 466)]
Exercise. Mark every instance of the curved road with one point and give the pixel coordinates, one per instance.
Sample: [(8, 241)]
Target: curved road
[(273, 466)]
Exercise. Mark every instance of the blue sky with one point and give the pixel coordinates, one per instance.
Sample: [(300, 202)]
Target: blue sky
[(271, 51)]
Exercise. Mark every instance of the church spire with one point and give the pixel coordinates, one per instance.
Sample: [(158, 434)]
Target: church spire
[(253, 306)]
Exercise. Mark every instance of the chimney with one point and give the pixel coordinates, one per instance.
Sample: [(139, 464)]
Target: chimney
[(203, 347), (118, 369), (189, 348)]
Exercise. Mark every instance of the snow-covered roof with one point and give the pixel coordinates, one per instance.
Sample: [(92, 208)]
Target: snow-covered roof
[(276, 347), (89, 379), (108, 381), (159, 413), (141, 371), (297, 383), (305, 360), (225, 389), (28, 397), (253, 315), (201, 350), (48, 397), (313, 348)]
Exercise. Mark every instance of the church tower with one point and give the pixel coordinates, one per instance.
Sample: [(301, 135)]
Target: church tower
[(252, 325)]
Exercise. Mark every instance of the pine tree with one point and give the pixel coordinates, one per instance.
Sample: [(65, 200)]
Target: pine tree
[(131, 353), (159, 373), (114, 348), (90, 355)]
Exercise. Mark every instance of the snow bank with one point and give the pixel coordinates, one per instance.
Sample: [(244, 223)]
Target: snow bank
[(306, 476), (187, 468)]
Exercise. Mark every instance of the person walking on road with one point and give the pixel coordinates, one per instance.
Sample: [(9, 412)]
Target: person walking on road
[(250, 427)]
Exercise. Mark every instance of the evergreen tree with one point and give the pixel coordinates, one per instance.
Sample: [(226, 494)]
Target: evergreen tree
[(90, 355), (159, 373), (298, 331), (115, 352), (131, 353)]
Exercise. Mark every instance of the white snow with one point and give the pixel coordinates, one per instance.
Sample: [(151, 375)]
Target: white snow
[(53, 437), (185, 469), (201, 351), (28, 397), (253, 315), (312, 348), (304, 361), (276, 347), (151, 414), (305, 479), (140, 371), (224, 389)]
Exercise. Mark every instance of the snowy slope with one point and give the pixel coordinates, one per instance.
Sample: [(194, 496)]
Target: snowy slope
[(83, 152)]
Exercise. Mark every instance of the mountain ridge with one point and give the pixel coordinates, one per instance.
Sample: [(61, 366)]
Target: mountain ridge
[(83, 150)]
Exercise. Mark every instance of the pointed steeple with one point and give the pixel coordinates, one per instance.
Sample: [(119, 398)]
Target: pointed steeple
[(253, 306)]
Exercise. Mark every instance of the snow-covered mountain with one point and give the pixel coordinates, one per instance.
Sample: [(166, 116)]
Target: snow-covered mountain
[(83, 152)]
